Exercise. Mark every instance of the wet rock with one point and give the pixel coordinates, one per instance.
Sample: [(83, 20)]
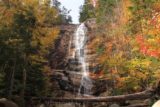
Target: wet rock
[(64, 58), (99, 87), (59, 53)]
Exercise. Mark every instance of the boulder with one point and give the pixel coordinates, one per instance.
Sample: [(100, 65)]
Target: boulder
[(156, 104), (114, 105), (7, 103)]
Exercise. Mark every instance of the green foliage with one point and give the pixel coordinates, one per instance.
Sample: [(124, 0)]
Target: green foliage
[(100, 50), (128, 49), (65, 18), (105, 11), (25, 41), (86, 11), (141, 9)]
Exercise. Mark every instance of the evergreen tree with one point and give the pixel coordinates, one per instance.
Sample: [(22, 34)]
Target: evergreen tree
[(86, 11)]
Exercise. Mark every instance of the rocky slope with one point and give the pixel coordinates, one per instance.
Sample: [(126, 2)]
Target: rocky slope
[(66, 75)]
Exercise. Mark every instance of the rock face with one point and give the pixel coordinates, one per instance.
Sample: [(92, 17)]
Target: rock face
[(58, 56), (67, 69)]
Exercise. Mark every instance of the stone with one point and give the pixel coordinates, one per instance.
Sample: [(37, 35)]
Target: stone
[(64, 58), (42, 105), (156, 104), (114, 105)]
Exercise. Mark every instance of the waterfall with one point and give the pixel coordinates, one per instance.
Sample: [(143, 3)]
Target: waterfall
[(80, 40)]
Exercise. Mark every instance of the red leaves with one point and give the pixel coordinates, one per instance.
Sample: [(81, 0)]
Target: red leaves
[(153, 21), (140, 39), (98, 75), (154, 53), (145, 49)]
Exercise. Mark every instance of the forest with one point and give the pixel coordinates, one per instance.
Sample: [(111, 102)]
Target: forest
[(125, 40)]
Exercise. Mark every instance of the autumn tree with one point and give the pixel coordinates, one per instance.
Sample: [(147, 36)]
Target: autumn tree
[(25, 39), (127, 43)]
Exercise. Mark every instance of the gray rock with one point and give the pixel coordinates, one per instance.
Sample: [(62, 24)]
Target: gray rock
[(114, 105)]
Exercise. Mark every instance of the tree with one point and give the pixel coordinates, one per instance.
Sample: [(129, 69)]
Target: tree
[(86, 11), (127, 43), (25, 40)]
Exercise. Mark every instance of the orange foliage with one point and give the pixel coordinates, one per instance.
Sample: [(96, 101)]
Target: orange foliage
[(156, 6), (145, 48), (98, 75)]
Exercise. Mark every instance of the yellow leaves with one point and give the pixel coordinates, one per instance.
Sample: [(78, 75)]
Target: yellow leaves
[(157, 74), (146, 63), (102, 59), (95, 42), (133, 73), (44, 14), (6, 16), (49, 38), (47, 70), (143, 63), (117, 59), (44, 39), (13, 41), (114, 64), (126, 13), (135, 49), (36, 59), (153, 32), (151, 41), (141, 75), (156, 6), (30, 2)]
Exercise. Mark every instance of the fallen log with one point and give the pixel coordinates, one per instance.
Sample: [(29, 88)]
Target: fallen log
[(138, 105), (136, 96)]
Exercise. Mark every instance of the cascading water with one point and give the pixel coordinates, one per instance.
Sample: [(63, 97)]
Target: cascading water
[(80, 40)]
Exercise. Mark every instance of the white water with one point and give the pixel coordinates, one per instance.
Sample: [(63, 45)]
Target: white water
[(80, 40)]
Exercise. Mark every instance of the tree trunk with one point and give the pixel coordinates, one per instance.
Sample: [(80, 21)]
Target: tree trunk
[(23, 88), (138, 105), (12, 81), (11, 85), (137, 96)]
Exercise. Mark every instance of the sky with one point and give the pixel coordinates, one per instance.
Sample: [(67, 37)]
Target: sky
[(74, 6)]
